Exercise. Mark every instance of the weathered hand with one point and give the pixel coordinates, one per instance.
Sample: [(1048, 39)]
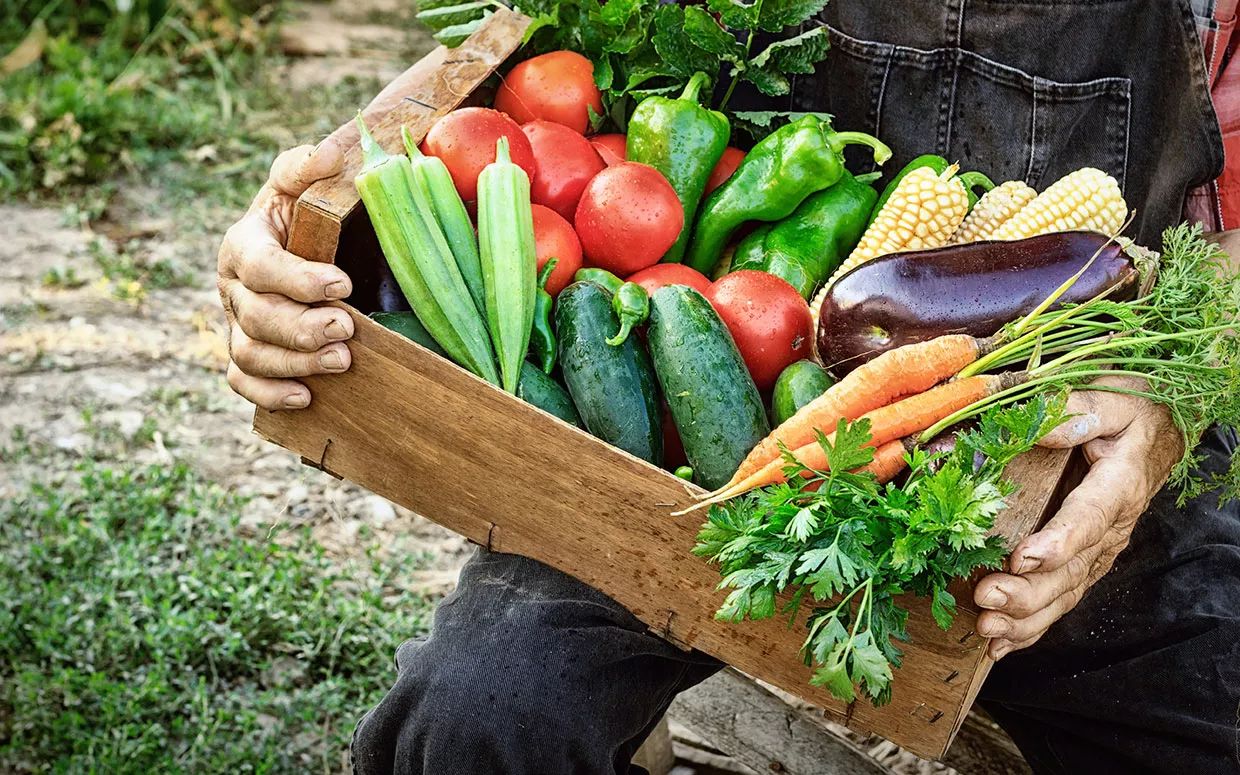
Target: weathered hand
[(1130, 444), (275, 335)]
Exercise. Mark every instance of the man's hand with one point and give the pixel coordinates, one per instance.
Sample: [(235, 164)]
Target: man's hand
[(275, 335), (1131, 444)]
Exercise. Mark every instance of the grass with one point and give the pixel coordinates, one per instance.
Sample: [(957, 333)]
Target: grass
[(140, 631)]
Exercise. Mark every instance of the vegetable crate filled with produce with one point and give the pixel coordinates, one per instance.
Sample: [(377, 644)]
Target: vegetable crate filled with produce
[(784, 412)]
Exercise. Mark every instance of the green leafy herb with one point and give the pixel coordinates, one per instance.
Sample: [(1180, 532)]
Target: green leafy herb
[(851, 546), (640, 47)]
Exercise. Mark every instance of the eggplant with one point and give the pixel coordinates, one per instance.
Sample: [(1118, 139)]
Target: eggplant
[(975, 288)]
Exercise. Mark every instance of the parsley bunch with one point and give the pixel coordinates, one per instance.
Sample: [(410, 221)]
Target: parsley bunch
[(640, 47), (853, 546)]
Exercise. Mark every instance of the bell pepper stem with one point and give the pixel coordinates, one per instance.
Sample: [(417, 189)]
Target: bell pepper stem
[(625, 327), (975, 179), (545, 273), (694, 87), (838, 140)]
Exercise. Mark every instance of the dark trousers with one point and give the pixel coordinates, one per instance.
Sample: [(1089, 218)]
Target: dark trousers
[(530, 672)]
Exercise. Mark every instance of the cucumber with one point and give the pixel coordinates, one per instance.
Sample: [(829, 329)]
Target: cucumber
[(614, 388), (542, 391), (407, 325), (713, 400), (797, 385)]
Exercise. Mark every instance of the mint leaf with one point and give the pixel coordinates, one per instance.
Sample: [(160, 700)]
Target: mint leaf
[(734, 14), (796, 55), (678, 52), (770, 82), (705, 33), (777, 14)]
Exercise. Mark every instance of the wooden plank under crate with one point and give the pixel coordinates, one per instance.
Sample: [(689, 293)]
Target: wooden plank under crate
[(424, 433)]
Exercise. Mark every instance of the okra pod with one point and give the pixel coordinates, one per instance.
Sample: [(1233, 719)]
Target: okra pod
[(418, 254), (509, 265)]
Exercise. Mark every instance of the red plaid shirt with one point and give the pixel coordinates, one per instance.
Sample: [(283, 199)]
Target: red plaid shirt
[(1217, 204)]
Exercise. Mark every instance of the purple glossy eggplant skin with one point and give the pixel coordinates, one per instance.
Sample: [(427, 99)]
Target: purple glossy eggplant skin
[(975, 288)]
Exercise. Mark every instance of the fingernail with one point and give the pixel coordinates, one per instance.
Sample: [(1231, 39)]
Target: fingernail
[(332, 360), (995, 598), (296, 401), (336, 290), (334, 331), (1029, 565), (996, 627)]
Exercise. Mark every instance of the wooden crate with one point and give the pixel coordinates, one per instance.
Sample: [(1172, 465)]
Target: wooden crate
[(424, 433)]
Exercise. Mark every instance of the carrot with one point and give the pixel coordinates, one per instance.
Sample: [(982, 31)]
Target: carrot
[(897, 373), (888, 461), (887, 424)]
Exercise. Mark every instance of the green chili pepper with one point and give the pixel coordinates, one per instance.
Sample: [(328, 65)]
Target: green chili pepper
[(632, 306), (786, 166), (542, 334), (971, 181), (807, 246), (684, 141), (599, 277), (684, 472)]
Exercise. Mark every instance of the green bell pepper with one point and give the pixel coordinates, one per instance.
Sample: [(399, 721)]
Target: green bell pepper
[(807, 246), (971, 180), (684, 141), (780, 171), (542, 333)]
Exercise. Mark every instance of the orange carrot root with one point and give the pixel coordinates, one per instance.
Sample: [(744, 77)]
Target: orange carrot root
[(890, 423), (888, 461), (895, 374)]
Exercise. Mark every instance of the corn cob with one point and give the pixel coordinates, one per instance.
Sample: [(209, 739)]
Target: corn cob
[(923, 211), (993, 210), (418, 254), (1086, 199), (509, 267), (431, 173)]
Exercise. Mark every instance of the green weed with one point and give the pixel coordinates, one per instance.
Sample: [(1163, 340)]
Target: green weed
[(141, 631)]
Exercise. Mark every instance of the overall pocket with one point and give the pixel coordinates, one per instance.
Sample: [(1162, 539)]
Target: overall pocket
[(986, 115)]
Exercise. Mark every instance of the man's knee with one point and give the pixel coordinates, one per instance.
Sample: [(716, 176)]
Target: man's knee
[(455, 713)]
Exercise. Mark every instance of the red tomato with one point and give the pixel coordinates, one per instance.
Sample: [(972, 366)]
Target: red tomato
[(554, 87), (727, 164), (566, 162), (465, 140), (627, 218), (655, 277), (613, 148), (768, 319), (554, 237)]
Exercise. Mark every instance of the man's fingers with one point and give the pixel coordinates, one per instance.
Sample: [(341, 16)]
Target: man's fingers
[(993, 624), (294, 170), (1098, 414), (270, 394), (1022, 596), (261, 359), (278, 320), (1111, 493), (265, 267)]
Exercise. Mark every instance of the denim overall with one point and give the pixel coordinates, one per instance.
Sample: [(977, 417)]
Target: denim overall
[(529, 672)]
